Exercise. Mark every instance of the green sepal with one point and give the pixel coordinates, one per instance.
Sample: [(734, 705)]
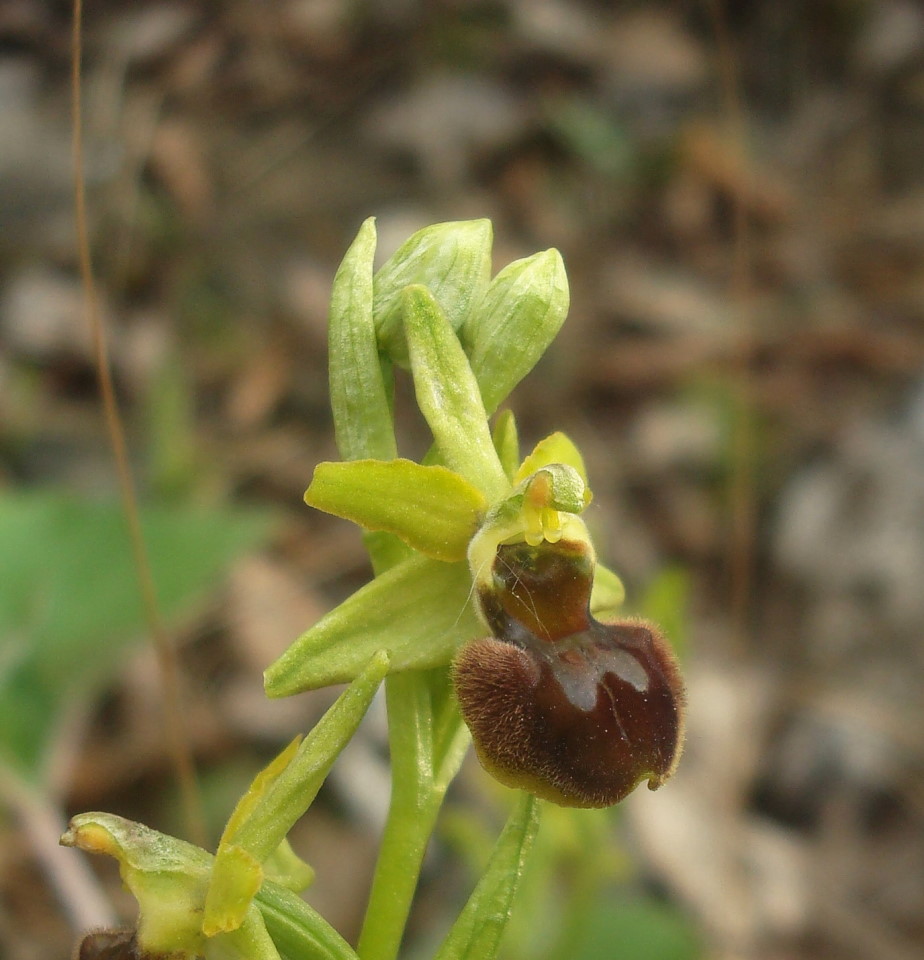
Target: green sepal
[(608, 593), (236, 878), (169, 878), (431, 509), (519, 316), (476, 934), (555, 448), (448, 395), (285, 867), (453, 260), (507, 442), (419, 612), (360, 394)]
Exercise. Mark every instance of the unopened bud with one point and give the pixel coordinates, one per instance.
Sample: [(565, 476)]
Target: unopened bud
[(453, 260)]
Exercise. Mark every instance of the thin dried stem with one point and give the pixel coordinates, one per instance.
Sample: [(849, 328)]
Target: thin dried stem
[(178, 743), (741, 483)]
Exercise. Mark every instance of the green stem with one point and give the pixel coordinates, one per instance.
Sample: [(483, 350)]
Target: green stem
[(426, 752), (407, 833)]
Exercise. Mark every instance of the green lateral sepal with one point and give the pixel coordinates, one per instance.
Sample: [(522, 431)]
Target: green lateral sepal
[(419, 612), (430, 508), (608, 593)]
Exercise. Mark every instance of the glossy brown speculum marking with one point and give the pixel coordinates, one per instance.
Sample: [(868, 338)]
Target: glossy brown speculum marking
[(574, 710)]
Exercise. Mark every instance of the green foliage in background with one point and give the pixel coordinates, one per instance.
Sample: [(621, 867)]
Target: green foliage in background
[(70, 604)]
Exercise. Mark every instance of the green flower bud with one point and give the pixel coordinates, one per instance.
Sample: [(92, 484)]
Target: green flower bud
[(360, 391), (513, 325), (453, 260)]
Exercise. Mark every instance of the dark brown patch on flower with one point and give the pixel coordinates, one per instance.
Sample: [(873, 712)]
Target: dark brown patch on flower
[(110, 945), (544, 590), (579, 717)]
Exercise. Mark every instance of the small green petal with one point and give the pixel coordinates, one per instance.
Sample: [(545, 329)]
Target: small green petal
[(452, 259), (419, 612), (555, 448), (448, 395), (507, 442), (608, 593), (431, 509), (285, 867), (359, 393), (236, 877), (520, 315)]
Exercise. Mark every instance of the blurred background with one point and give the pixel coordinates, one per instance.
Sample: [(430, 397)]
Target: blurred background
[(743, 368)]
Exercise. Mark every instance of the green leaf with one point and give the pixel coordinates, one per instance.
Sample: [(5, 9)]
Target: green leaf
[(507, 443), (298, 930), (453, 260), (448, 395), (359, 393), (477, 932), (418, 612), (431, 509), (645, 929), (519, 316), (69, 597)]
